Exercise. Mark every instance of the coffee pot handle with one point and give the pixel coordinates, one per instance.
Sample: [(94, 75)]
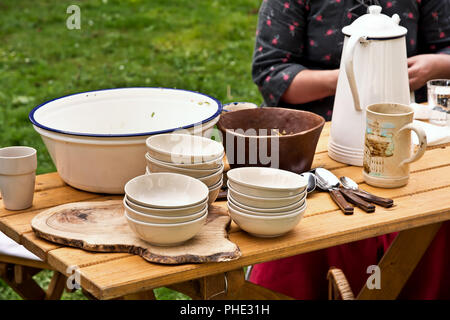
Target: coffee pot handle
[(348, 61), (422, 142)]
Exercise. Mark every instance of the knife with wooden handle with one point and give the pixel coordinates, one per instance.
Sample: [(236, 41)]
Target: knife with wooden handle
[(337, 196), (369, 197), (356, 200)]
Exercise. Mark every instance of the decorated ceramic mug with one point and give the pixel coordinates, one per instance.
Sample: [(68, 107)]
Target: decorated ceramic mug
[(388, 150)]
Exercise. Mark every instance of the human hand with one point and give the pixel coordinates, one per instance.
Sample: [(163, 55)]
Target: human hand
[(424, 67)]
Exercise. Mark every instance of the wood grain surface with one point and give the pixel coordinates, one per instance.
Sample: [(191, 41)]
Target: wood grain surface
[(101, 227)]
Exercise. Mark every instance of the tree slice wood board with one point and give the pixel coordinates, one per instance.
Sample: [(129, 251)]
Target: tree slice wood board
[(102, 227)]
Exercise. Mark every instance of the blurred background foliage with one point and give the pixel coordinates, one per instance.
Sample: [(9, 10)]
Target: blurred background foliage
[(200, 45)]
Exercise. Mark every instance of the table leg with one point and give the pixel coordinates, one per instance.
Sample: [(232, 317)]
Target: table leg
[(56, 287), (19, 278), (190, 288), (400, 260)]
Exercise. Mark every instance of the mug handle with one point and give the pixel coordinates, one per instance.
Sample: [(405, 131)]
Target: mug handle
[(422, 142)]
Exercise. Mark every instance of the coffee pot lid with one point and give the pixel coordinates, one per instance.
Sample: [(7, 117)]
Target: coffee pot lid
[(376, 25)]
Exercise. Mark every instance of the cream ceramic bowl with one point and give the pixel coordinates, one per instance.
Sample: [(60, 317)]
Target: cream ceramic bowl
[(236, 206), (217, 184), (274, 211), (97, 139), (266, 182), (142, 217), (267, 210), (166, 234), (166, 190), (158, 166), (264, 203), (213, 178), (266, 226), (214, 191), (183, 211), (208, 180), (210, 165), (183, 148)]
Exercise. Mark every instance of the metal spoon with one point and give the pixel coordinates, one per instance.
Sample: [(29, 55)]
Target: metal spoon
[(348, 183), (349, 195), (329, 182), (312, 181)]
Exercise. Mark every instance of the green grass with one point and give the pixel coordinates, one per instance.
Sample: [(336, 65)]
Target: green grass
[(201, 45)]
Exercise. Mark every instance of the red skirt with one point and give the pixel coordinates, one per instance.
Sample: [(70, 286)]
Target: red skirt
[(304, 276)]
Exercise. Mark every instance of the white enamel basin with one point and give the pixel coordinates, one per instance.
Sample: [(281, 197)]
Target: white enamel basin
[(97, 139)]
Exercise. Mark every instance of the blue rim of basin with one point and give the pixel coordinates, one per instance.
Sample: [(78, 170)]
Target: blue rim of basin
[(33, 120)]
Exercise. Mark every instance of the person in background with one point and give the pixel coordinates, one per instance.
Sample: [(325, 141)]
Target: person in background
[(295, 65), (299, 46)]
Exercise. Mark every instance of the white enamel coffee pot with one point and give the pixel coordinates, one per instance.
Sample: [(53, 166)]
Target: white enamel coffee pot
[(373, 69)]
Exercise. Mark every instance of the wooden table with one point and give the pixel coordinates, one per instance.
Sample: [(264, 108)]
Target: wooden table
[(420, 208)]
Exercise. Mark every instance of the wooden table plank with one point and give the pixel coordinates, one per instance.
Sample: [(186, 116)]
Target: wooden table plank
[(323, 160), (47, 181), (38, 246), (311, 234), (15, 225), (50, 198), (322, 145), (65, 257), (326, 129)]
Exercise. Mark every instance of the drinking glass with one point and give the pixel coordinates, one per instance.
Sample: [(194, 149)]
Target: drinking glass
[(439, 101)]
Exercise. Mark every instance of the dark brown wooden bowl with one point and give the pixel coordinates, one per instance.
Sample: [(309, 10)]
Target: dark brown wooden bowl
[(300, 131)]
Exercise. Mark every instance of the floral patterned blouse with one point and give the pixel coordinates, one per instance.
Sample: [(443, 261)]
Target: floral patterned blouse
[(293, 35)]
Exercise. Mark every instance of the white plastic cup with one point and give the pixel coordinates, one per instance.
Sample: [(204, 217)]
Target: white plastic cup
[(17, 176)]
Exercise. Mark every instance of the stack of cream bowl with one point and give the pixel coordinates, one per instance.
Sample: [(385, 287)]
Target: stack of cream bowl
[(165, 209), (191, 155), (266, 202)]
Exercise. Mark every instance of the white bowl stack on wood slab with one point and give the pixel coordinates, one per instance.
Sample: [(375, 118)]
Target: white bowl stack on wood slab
[(266, 202), (165, 209), (194, 156)]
